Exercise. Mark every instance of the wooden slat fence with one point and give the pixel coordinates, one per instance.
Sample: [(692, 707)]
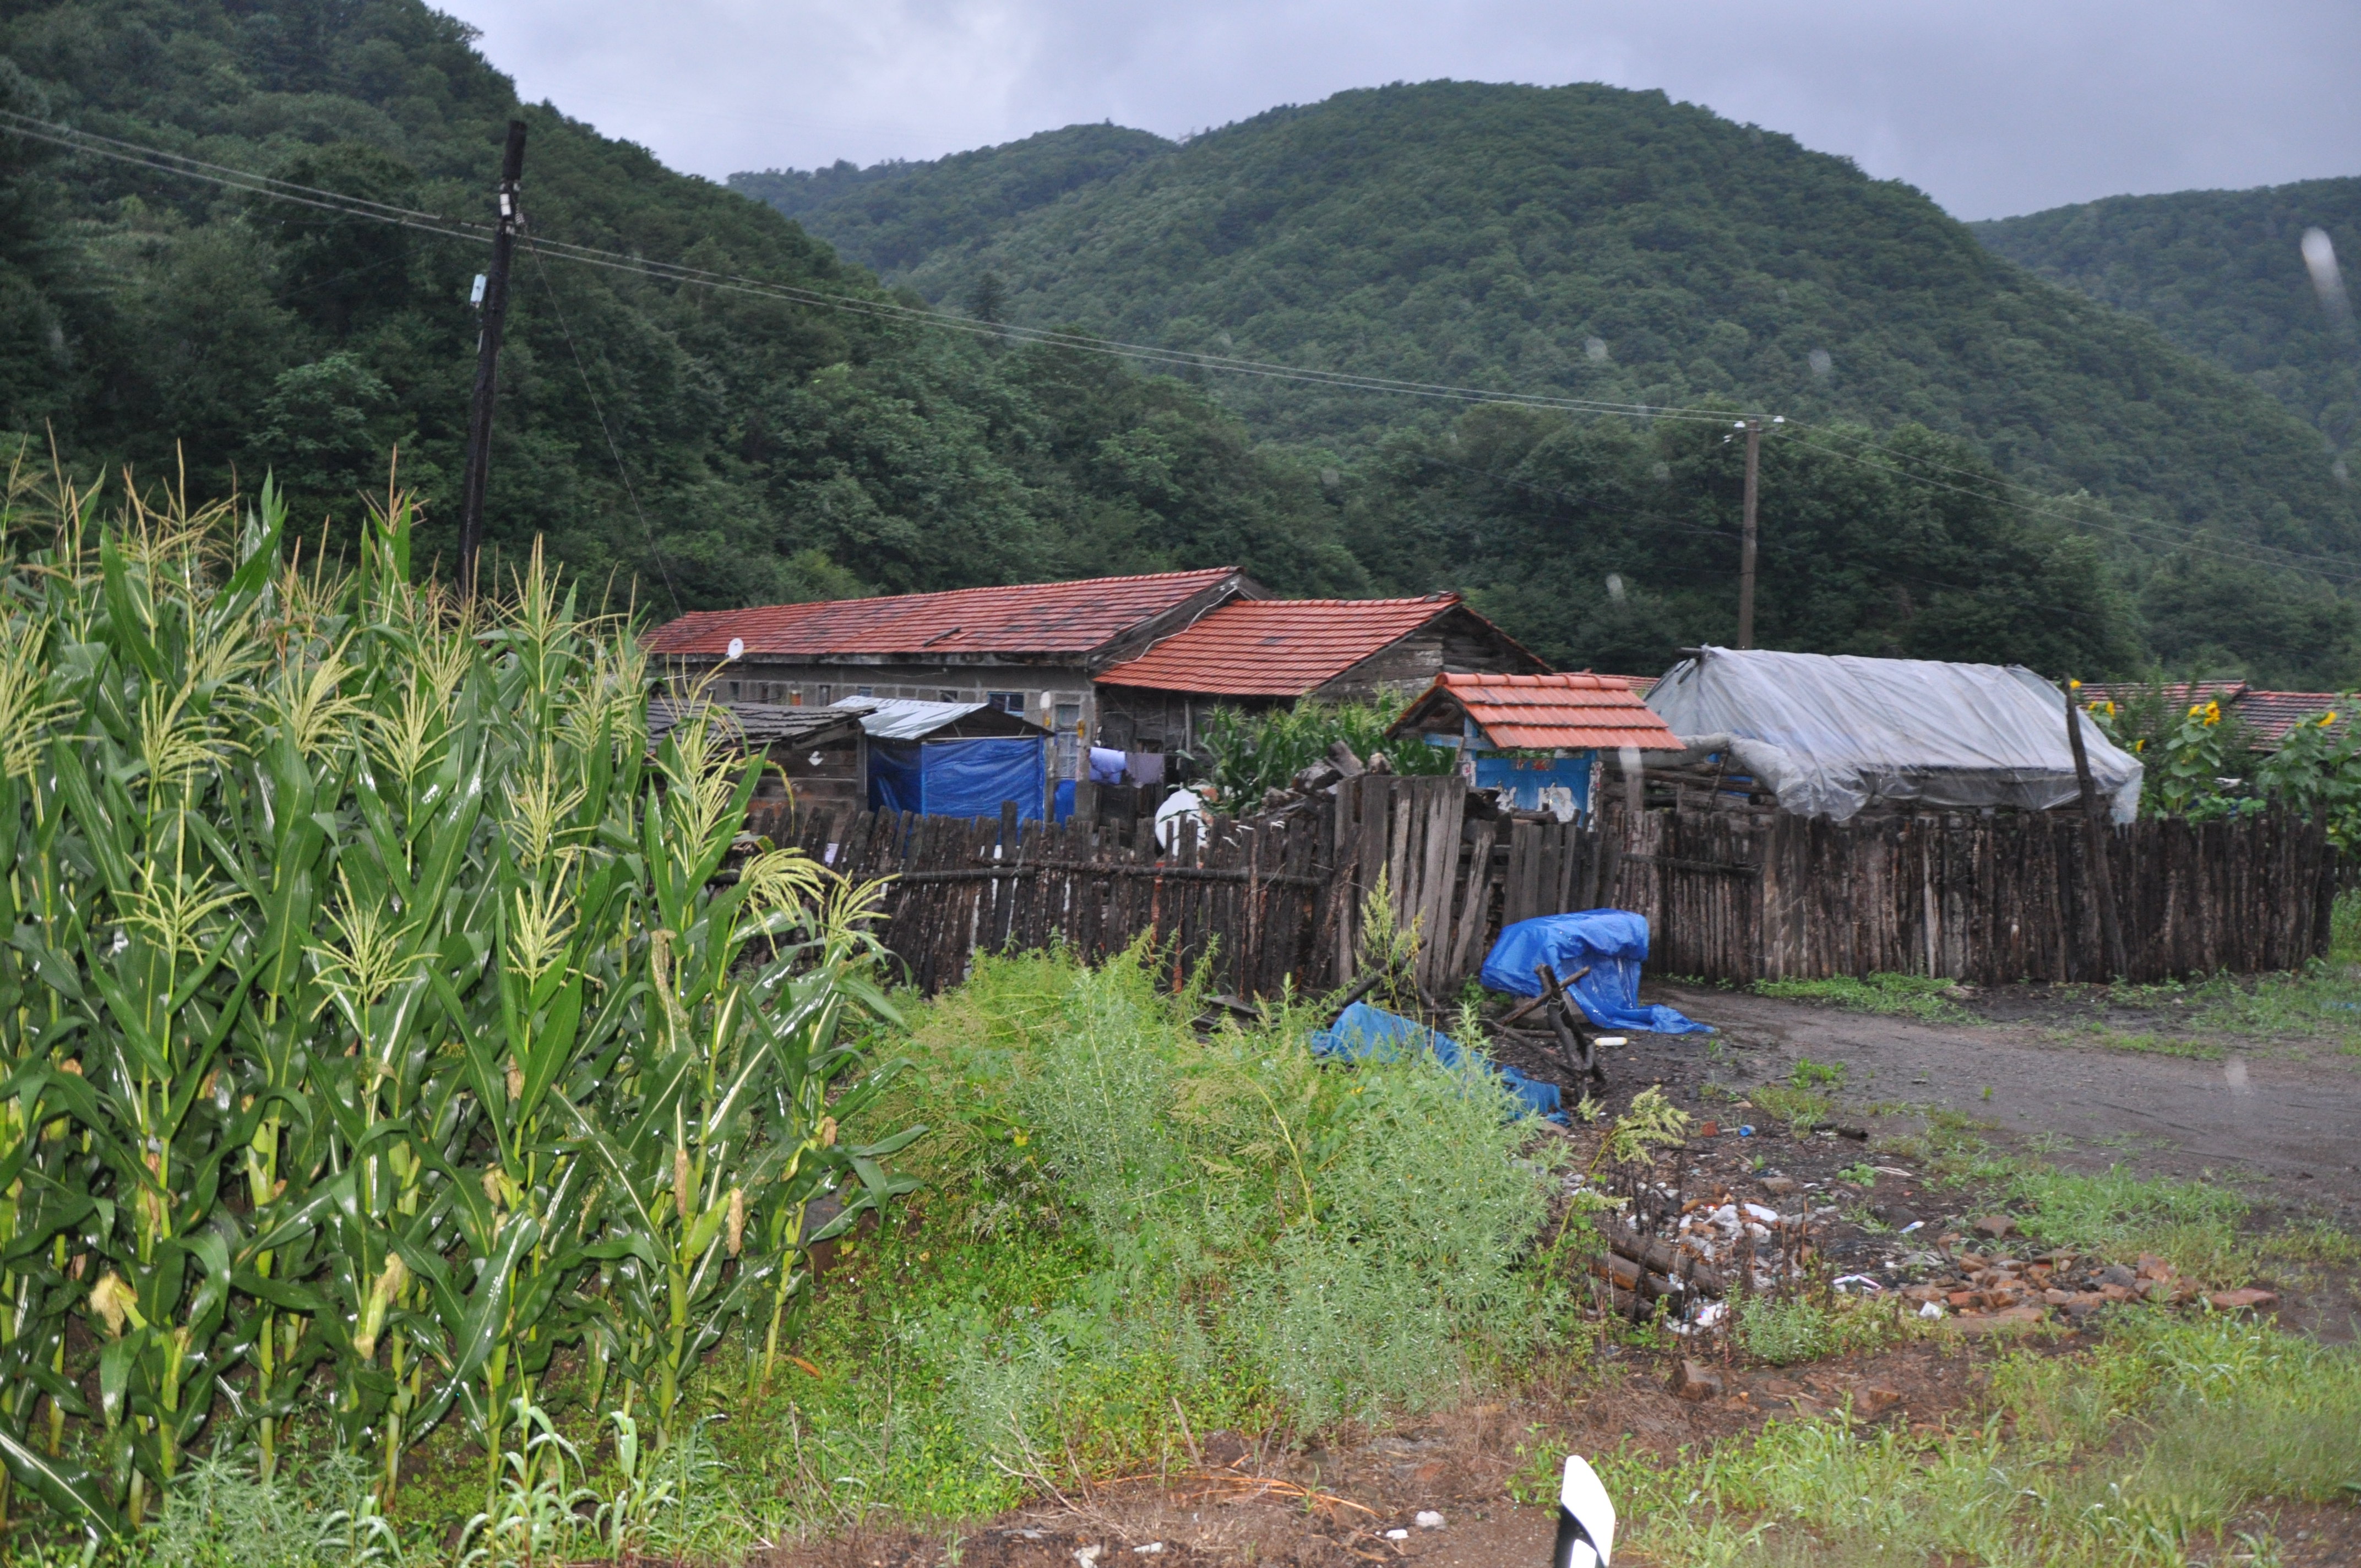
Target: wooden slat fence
[(1244, 898), (1742, 896), (1730, 895)]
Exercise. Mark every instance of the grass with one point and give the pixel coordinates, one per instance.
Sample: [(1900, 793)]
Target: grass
[(1930, 1000), (1806, 1098), (2144, 1042), (2150, 1447)]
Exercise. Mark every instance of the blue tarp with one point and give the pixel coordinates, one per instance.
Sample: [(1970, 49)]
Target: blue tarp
[(1364, 1031), (1613, 942), (960, 778)]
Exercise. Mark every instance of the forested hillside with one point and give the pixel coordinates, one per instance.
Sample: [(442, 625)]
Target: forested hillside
[(2222, 274), (761, 450), (1595, 242), (695, 446)]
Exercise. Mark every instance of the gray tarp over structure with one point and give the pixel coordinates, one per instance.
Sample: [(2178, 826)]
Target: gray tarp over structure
[(1830, 734)]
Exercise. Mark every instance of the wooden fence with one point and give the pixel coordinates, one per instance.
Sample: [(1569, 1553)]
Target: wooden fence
[(1244, 898), (1742, 896), (1735, 896)]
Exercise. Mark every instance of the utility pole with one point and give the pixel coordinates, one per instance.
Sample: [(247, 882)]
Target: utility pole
[(2094, 844), (1746, 536), (487, 359)]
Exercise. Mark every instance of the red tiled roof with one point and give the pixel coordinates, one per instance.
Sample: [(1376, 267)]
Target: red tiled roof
[(1555, 712), (1031, 618), (1275, 647), (2269, 715)]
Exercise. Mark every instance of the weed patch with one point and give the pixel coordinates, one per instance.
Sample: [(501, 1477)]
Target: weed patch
[(1931, 1000), (2138, 1453)]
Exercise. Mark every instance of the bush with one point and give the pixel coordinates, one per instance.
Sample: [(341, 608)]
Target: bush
[(1323, 1241)]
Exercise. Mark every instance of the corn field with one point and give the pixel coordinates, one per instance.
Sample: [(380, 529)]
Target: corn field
[(380, 1019)]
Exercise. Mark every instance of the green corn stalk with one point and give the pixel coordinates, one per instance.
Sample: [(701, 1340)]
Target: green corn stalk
[(375, 1022)]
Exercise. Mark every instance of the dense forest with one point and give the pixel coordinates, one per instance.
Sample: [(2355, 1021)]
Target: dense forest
[(760, 449), (690, 446), (1587, 241), (2222, 274)]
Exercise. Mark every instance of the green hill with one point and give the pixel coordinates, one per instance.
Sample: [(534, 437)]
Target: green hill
[(696, 447), (2222, 274), (1590, 242)]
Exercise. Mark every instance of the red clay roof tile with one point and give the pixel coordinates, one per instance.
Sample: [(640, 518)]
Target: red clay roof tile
[(1555, 712), (1276, 647), (1030, 618)]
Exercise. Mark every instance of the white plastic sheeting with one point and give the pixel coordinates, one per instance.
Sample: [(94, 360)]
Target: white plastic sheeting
[(1830, 734)]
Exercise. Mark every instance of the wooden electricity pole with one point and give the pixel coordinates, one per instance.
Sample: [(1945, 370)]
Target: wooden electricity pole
[(1746, 536), (488, 360), (2094, 843)]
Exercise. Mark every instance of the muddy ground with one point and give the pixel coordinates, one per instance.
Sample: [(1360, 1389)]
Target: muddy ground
[(2281, 1119)]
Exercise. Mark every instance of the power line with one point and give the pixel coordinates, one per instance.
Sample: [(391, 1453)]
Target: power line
[(250, 182), (596, 409)]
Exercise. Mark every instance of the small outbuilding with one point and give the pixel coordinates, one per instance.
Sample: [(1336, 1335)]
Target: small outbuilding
[(1537, 740), (951, 759), (1833, 735), (1264, 652), (820, 754)]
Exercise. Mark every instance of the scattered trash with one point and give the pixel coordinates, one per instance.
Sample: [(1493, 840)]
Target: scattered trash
[(1857, 1281), (1397, 1535), (1088, 1556), (1914, 1225), (1747, 1131), (1428, 1519), (1931, 1310), (1362, 1031), (1150, 1549)]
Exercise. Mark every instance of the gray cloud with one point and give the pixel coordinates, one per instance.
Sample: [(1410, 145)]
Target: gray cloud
[(1998, 108)]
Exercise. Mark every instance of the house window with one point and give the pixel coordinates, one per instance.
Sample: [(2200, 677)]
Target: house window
[(1007, 702), (733, 691), (865, 691), (947, 695)]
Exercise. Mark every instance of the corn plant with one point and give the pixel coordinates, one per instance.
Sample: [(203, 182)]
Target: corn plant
[(375, 1020)]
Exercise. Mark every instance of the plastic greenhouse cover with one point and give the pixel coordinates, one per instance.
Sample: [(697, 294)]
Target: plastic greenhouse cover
[(1611, 943), (1362, 1031), (1830, 733)]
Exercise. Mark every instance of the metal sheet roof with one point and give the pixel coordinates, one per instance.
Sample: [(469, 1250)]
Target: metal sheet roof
[(757, 723), (1545, 713), (1276, 647), (1032, 617), (913, 719)]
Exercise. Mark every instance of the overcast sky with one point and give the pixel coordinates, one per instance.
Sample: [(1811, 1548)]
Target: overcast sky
[(1994, 108)]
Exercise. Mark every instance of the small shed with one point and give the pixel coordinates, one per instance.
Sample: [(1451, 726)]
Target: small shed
[(821, 755), (951, 759), (1536, 738), (1832, 735)]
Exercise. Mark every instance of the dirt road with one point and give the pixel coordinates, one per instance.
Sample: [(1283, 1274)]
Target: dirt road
[(2259, 1112)]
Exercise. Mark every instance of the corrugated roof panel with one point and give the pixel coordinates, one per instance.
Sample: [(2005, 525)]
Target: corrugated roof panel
[(1275, 647), (1032, 617)]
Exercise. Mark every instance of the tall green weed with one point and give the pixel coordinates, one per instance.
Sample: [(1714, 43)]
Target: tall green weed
[(1308, 1242)]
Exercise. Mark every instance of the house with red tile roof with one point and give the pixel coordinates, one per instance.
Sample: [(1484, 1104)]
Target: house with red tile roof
[(2268, 714), (1030, 648), (1268, 652), (1540, 738)]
